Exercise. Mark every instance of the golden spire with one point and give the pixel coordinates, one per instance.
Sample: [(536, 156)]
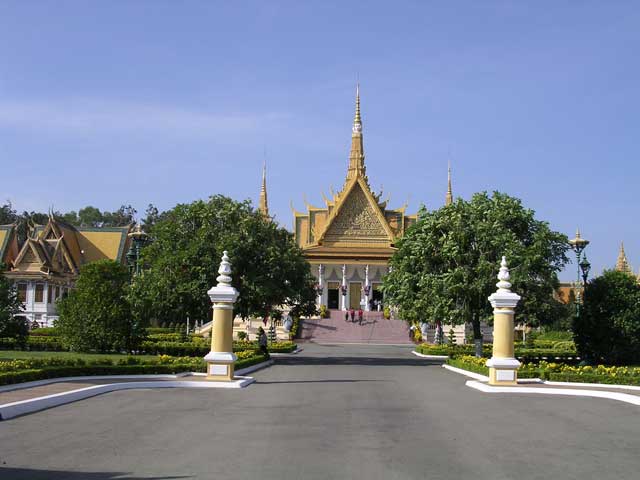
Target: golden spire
[(622, 265), (449, 198), (356, 155), (264, 206)]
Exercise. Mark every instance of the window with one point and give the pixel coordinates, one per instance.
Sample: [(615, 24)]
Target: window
[(22, 292), (57, 292), (39, 292), (50, 295)]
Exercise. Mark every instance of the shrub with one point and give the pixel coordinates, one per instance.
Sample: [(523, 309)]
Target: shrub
[(295, 328), (45, 332), (608, 328), (242, 336), (556, 335), (156, 330), (386, 312), (96, 315), (324, 311)]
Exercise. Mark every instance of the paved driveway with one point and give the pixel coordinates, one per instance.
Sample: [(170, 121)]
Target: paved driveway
[(332, 412)]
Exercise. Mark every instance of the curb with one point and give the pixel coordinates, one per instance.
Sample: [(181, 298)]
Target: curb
[(467, 373), (621, 397), (282, 354), (430, 357), (23, 407), (478, 384)]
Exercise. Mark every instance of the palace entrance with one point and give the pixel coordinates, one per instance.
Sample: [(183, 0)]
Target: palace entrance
[(333, 295), (354, 295)]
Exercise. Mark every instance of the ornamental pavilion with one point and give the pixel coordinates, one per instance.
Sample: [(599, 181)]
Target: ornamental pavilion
[(350, 240), (46, 266)]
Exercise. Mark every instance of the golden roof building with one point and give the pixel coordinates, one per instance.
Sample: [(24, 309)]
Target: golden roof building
[(350, 240), (47, 265)]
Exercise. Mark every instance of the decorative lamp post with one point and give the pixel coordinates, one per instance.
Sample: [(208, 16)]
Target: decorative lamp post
[(139, 239), (221, 357), (585, 268), (578, 244), (503, 365)]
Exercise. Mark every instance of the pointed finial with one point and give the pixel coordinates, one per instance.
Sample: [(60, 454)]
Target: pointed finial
[(357, 120), (503, 275), (224, 279), (449, 198), (622, 265), (264, 204)]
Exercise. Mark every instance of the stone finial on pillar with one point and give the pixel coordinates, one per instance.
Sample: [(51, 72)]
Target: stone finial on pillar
[(503, 365), (221, 358)]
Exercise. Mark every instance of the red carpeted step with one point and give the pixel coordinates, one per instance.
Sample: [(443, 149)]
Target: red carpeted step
[(374, 329)]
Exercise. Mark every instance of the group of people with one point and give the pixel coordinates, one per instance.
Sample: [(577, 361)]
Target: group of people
[(350, 316)]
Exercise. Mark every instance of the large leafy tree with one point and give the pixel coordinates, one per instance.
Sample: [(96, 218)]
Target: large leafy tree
[(182, 262), (96, 315), (608, 328), (92, 217), (12, 324), (446, 264)]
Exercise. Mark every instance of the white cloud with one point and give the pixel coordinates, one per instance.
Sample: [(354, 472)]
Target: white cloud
[(97, 116)]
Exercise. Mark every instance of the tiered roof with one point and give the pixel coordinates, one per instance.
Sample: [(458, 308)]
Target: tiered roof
[(354, 223)]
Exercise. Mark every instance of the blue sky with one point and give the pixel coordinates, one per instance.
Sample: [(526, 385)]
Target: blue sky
[(105, 103)]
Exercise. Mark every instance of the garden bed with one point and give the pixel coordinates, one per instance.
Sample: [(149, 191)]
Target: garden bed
[(558, 372), (26, 370)]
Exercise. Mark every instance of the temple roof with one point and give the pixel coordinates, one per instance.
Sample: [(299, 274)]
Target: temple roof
[(354, 222), (58, 248)]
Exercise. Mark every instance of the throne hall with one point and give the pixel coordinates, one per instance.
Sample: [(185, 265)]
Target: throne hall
[(350, 240)]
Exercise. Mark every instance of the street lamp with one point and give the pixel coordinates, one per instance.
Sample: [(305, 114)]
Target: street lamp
[(585, 267), (578, 244), (139, 239)]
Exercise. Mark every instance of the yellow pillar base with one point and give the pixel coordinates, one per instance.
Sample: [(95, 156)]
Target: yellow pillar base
[(220, 366), (503, 371), (220, 372)]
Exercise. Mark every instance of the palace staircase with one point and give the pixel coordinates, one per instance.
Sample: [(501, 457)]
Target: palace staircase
[(374, 329)]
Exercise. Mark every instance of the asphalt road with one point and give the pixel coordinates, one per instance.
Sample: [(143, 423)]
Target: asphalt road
[(332, 412)]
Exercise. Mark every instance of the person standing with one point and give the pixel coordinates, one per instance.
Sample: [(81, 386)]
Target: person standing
[(360, 314), (352, 314), (262, 342)]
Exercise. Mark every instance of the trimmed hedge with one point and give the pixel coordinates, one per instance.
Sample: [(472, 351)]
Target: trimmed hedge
[(29, 375), (44, 332), (558, 372), (524, 354), (37, 343), (190, 349)]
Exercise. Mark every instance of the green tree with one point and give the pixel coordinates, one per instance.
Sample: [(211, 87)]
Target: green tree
[(182, 262), (120, 218), (96, 315), (608, 328), (7, 214), (12, 325), (90, 217), (446, 264)]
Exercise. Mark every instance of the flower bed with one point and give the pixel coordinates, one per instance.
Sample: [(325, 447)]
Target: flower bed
[(191, 349), (18, 371), (558, 372), (567, 355)]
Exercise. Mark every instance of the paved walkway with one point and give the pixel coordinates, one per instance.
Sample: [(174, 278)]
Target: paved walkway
[(331, 412)]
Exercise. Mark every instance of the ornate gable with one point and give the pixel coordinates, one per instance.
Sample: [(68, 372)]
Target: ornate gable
[(357, 219)]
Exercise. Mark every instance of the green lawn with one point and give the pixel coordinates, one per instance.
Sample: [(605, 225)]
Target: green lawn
[(19, 354)]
